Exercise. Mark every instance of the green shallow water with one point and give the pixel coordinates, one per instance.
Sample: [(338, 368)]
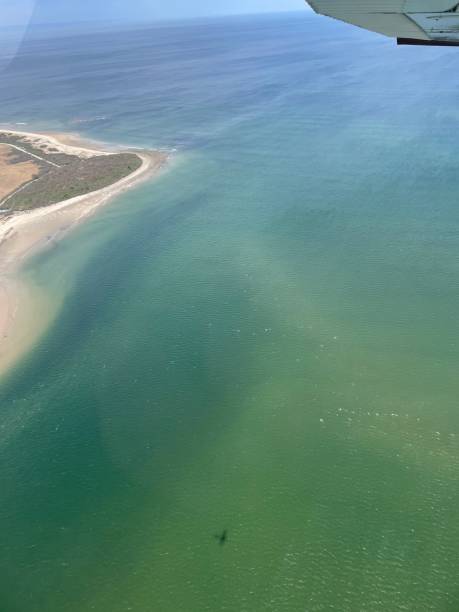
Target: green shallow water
[(262, 341)]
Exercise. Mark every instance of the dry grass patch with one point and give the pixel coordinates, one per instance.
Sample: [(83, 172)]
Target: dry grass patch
[(14, 175)]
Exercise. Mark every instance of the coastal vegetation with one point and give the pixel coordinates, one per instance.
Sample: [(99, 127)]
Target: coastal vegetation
[(40, 175), (13, 175)]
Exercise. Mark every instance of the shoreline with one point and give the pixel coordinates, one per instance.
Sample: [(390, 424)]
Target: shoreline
[(27, 233)]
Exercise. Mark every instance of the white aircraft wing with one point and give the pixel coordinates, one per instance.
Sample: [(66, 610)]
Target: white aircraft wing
[(416, 22)]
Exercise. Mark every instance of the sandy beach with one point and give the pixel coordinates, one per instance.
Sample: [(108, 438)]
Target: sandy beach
[(25, 312)]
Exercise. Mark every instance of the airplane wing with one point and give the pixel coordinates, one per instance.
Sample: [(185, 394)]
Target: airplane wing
[(415, 22)]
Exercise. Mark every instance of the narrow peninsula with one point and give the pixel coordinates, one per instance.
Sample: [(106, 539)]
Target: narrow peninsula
[(49, 183)]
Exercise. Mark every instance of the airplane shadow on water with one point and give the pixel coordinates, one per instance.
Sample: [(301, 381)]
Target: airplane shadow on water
[(222, 537)]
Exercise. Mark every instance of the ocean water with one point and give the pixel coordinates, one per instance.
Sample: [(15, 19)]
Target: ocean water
[(263, 341)]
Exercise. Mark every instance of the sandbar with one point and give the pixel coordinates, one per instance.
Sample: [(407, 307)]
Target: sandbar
[(25, 312)]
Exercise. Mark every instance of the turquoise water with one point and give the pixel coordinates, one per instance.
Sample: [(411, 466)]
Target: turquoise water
[(263, 341)]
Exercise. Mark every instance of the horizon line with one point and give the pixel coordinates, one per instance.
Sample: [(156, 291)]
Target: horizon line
[(153, 20)]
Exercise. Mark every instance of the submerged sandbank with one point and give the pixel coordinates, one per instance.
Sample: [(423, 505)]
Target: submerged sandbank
[(25, 312)]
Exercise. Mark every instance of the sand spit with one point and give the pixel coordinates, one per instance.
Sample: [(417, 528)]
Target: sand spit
[(24, 311)]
